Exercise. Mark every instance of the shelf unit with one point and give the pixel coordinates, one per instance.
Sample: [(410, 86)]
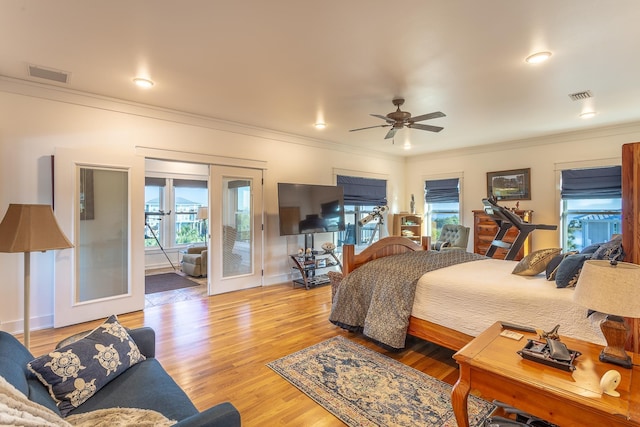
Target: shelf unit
[(408, 225), (308, 266)]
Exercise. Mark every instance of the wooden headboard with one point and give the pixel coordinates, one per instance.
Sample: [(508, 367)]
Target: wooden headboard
[(384, 247)]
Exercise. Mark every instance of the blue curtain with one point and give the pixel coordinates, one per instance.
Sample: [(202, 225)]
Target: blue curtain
[(442, 190), (363, 191), (596, 183)]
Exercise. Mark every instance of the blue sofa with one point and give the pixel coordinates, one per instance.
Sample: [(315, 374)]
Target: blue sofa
[(144, 385)]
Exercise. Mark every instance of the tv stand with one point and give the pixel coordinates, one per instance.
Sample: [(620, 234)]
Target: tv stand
[(309, 262)]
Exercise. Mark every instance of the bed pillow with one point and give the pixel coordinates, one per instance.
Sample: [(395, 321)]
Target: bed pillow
[(536, 262), (552, 267), (75, 372), (610, 250), (569, 270), (591, 248)]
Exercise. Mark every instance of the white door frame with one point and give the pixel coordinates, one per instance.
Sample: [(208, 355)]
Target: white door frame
[(67, 309)]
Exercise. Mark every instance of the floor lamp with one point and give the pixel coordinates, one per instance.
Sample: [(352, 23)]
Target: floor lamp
[(30, 228)]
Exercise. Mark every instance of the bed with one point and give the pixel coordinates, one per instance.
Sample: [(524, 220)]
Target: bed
[(454, 303)]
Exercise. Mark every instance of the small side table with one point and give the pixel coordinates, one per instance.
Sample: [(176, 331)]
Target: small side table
[(491, 367)]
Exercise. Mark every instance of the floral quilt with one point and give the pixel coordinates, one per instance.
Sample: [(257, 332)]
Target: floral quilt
[(377, 298)]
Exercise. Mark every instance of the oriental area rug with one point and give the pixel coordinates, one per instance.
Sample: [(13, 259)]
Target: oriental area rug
[(365, 388)]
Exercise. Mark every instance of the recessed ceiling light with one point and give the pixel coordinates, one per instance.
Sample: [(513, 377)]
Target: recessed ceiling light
[(538, 57), (145, 83), (587, 114), (407, 146), (320, 125)]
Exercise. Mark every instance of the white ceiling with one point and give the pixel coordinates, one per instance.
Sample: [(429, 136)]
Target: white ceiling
[(285, 64)]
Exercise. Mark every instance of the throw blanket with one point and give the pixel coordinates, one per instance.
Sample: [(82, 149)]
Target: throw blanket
[(17, 410), (377, 298)]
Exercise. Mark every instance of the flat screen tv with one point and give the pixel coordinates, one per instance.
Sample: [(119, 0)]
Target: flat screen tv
[(307, 209)]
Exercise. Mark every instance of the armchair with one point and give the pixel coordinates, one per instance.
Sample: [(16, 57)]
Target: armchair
[(452, 236), (194, 262)]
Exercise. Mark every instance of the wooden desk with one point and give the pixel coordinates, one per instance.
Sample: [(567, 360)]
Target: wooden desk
[(490, 366)]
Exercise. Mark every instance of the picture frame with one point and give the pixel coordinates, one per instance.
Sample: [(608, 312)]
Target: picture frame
[(513, 184)]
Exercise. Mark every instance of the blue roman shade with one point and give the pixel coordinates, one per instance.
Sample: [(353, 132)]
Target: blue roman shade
[(363, 191), (442, 190), (595, 183)]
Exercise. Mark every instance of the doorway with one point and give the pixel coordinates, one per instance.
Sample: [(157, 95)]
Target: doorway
[(203, 214)]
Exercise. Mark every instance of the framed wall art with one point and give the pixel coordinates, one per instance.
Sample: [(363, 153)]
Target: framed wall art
[(514, 184)]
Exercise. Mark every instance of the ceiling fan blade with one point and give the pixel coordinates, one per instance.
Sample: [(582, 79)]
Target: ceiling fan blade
[(369, 127), (425, 127), (391, 133), (385, 118), (434, 115)]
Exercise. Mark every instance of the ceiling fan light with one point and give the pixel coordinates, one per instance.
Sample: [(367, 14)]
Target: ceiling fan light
[(538, 57), (143, 83), (587, 115)]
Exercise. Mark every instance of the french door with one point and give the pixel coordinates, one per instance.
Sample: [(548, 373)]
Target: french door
[(97, 204), (236, 217)]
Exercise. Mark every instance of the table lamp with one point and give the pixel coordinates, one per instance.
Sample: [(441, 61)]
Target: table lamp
[(612, 288), (30, 228)]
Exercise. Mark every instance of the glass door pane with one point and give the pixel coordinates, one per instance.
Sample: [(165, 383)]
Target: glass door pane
[(235, 209), (102, 250), (237, 254)]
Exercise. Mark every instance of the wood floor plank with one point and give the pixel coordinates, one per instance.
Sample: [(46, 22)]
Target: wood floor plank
[(217, 349)]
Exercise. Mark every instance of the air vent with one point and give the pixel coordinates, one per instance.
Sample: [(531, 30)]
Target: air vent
[(578, 96), (48, 74)]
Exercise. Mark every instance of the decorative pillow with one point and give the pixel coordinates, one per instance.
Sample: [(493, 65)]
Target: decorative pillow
[(75, 372), (591, 248), (440, 245), (535, 262), (552, 267), (569, 270), (610, 250)]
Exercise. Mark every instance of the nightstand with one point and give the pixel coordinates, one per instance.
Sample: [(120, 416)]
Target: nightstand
[(492, 368)]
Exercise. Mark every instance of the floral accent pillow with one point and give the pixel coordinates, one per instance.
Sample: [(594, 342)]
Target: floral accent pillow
[(75, 372)]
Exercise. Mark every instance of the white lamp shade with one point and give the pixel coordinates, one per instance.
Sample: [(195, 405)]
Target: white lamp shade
[(609, 288), (31, 228)]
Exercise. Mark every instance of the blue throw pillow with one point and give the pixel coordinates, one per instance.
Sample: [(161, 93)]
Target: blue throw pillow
[(552, 267), (610, 250), (75, 372), (591, 248), (569, 270)]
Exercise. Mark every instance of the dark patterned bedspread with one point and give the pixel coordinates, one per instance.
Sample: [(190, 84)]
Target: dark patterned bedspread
[(377, 298)]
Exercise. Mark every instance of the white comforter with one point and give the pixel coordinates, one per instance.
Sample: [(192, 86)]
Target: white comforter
[(472, 296)]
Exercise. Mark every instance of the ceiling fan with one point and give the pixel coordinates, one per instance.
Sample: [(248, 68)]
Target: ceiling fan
[(399, 119)]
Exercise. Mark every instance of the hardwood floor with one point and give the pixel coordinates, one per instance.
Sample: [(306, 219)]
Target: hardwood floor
[(216, 348)]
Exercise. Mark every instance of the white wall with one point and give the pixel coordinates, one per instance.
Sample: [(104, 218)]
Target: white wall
[(543, 155), (34, 120)]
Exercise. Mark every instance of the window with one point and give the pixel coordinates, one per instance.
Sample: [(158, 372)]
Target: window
[(361, 196), (591, 206), (442, 197), (171, 211)]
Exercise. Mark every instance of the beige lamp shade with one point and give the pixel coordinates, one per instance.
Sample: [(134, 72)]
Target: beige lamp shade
[(203, 212), (31, 228), (609, 288)]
